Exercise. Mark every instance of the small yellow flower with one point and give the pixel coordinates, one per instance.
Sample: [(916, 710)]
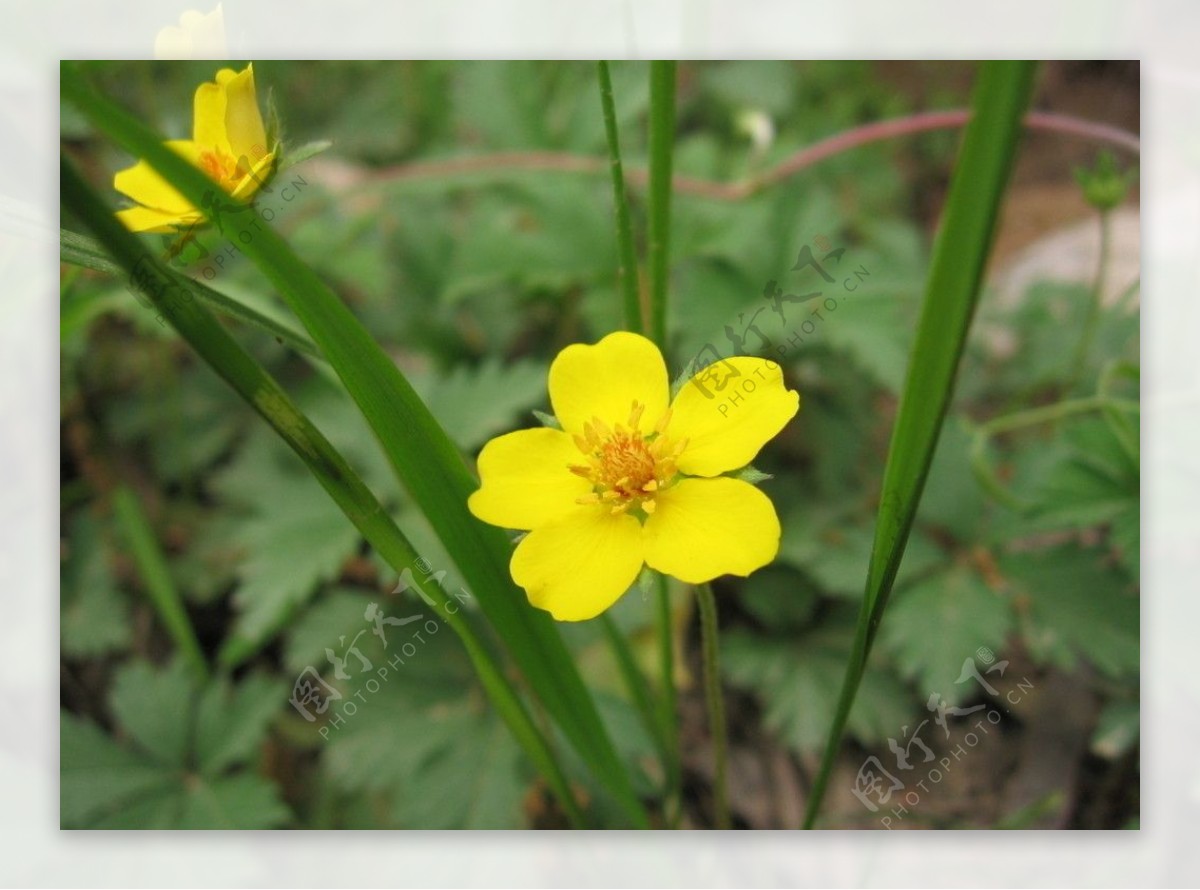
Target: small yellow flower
[(229, 143), (632, 480)]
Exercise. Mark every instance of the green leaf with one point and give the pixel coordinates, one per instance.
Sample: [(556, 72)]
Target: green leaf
[(301, 543), (294, 156), (97, 775), (796, 679), (960, 254), (153, 784), (779, 597), (475, 404), (1077, 608), (231, 722), (155, 707), (95, 616), (235, 802), (939, 622)]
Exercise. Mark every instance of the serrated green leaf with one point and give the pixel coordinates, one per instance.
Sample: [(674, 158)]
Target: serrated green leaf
[(290, 550), (797, 680), (1077, 608), (938, 623), (242, 802), (475, 404), (97, 776), (155, 707), (231, 723)]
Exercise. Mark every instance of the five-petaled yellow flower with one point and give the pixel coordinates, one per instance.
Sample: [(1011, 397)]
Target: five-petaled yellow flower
[(228, 142), (633, 478)]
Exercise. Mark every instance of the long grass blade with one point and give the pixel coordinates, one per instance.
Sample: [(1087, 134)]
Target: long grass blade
[(662, 146), (627, 270), (214, 344), (156, 577), (421, 453), (951, 292)]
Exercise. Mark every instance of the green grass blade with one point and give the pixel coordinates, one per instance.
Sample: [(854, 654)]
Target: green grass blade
[(80, 250), (160, 588), (423, 456), (635, 682), (627, 269), (951, 292), (662, 145), (214, 344)]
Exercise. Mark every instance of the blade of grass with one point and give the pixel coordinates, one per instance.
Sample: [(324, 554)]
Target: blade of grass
[(959, 256), (86, 253), (662, 144), (627, 269), (215, 345), (160, 588), (422, 455), (635, 682)]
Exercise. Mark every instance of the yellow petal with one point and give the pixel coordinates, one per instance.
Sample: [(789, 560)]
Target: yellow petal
[(259, 174), (606, 379), (146, 219), (243, 122), (726, 428), (208, 118), (141, 183), (580, 564), (526, 480), (704, 528)]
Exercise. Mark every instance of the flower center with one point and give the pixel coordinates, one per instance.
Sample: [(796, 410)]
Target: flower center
[(627, 467), (221, 167)]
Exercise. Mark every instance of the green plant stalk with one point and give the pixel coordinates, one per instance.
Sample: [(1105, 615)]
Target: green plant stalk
[(85, 253), (156, 577), (951, 292), (422, 455), (1033, 417), (1092, 321), (223, 354), (662, 144), (627, 268), (710, 646)]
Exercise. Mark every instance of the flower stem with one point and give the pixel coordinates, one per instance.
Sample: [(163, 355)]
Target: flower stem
[(716, 703), (627, 277), (668, 718), (662, 142), (1091, 321)]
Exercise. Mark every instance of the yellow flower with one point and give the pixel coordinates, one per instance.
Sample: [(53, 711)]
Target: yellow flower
[(229, 143), (632, 480)]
